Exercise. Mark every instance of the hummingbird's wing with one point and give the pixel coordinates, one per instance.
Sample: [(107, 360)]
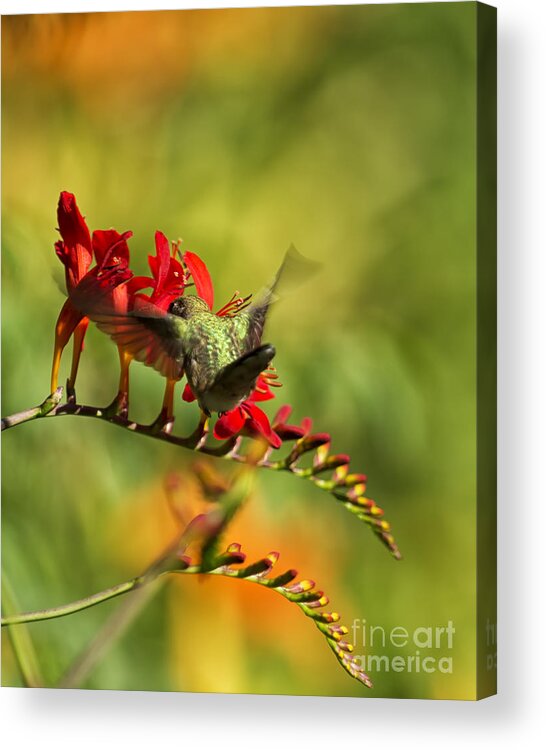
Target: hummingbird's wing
[(156, 340), (148, 334), (294, 270), (246, 327)]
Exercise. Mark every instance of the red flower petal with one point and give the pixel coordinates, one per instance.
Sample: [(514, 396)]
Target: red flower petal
[(176, 270), (307, 424), (229, 423), (289, 431), (261, 395), (161, 263), (168, 280), (139, 282), (318, 439), (110, 247), (274, 440), (63, 253), (260, 422), (201, 277), (103, 289), (282, 415), (72, 225), (173, 287), (120, 299), (262, 391), (187, 394), (76, 253), (67, 322)]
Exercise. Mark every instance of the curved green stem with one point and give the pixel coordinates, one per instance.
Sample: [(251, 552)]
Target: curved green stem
[(303, 594), (27, 415), (77, 606)]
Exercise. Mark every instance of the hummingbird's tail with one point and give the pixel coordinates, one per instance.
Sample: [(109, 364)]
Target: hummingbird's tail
[(237, 376)]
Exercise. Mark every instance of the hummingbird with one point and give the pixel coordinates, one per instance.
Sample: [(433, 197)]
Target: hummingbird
[(221, 357)]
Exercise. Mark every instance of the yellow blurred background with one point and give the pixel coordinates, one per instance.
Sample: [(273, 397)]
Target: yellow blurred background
[(348, 131)]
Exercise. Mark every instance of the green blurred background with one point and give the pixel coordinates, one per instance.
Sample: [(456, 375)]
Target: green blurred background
[(349, 131)]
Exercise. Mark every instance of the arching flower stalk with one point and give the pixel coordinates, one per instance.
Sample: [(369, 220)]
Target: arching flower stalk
[(310, 600), (204, 530)]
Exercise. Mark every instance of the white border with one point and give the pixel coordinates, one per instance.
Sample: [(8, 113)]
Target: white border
[(57, 719)]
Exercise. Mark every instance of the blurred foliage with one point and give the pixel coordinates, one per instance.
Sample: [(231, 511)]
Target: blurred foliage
[(349, 131)]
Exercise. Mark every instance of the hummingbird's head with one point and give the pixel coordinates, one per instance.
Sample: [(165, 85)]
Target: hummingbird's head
[(185, 307)]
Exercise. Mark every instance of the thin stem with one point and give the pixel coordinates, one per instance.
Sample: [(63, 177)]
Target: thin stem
[(160, 430), (27, 415), (78, 337), (77, 606), (21, 642), (166, 562)]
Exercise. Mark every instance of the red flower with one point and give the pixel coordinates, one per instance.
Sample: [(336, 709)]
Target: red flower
[(245, 417), (168, 277), (249, 418), (76, 251)]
